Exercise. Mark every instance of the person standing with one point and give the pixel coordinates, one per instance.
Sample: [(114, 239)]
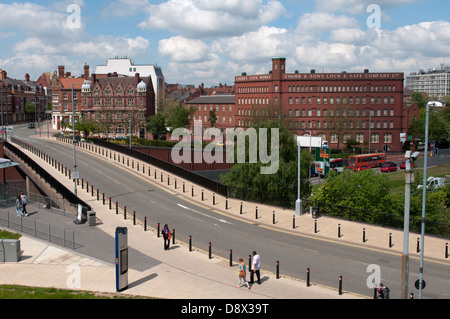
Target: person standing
[(19, 206), (167, 236), (256, 266), (24, 203), (242, 274)]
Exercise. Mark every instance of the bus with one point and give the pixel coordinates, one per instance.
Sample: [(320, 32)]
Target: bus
[(371, 160), (337, 164)]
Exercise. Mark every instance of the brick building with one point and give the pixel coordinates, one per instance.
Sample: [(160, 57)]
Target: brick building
[(366, 107), (119, 102), (221, 105), (14, 96)]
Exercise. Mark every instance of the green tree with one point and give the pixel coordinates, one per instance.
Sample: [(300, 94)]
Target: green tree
[(212, 118), (277, 188), (419, 99), (179, 117), (157, 124), (87, 125), (439, 126)]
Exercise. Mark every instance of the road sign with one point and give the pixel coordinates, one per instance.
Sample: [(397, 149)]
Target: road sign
[(322, 160), (416, 284)]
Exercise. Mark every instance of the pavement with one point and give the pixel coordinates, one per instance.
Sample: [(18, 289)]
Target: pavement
[(180, 273)]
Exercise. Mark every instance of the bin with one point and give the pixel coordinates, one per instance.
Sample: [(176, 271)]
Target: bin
[(91, 219), (11, 250)]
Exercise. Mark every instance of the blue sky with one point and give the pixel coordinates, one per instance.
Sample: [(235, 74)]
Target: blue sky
[(212, 41)]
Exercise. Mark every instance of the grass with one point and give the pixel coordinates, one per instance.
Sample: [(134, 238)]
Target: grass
[(8, 235), (24, 292)]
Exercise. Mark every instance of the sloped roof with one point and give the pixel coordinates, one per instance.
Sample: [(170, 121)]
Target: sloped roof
[(213, 99)]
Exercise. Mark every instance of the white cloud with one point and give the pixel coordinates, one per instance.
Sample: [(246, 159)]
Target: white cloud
[(318, 22), (125, 8), (200, 18), (181, 49)]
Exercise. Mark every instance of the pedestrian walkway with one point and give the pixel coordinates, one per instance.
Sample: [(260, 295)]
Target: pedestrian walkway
[(175, 273)]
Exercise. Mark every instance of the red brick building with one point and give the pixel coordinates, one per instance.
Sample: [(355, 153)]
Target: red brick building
[(223, 106), (366, 107)]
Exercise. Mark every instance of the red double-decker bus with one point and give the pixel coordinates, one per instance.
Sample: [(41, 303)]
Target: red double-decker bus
[(371, 160)]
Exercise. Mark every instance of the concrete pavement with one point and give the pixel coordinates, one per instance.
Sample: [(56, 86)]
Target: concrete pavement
[(180, 274)]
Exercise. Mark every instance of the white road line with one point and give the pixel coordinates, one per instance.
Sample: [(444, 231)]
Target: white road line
[(195, 211)]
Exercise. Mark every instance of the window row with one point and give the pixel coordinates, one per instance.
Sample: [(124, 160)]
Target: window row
[(216, 108), (338, 112), (115, 102), (321, 88), (206, 119)]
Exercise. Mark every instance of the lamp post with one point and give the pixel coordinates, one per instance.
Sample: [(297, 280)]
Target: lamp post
[(310, 152), (75, 173), (298, 202)]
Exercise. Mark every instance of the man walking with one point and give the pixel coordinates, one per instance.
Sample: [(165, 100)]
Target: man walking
[(256, 266), (24, 204)]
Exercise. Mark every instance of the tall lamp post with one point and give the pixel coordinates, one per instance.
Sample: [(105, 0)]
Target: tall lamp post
[(298, 202), (75, 173)]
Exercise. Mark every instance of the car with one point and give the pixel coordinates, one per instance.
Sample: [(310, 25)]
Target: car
[(361, 168), (389, 167), (403, 165), (31, 125)]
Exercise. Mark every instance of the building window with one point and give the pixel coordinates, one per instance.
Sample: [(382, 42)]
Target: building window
[(388, 138), (375, 138), (360, 138), (333, 138)]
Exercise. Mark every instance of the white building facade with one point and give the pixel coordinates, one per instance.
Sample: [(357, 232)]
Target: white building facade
[(434, 83)]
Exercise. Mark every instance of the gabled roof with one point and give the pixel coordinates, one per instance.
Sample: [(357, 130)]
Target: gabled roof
[(213, 99)]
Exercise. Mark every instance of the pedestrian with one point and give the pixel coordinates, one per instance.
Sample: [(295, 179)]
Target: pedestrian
[(24, 203), (241, 272), (255, 269), (19, 206), (167, 236)]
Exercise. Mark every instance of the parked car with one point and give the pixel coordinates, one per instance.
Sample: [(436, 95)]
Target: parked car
[(361, 168), (31, 125), (403, 165), (389, 167)]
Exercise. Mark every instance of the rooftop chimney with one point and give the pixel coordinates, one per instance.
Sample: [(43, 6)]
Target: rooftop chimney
[(2, 74), (86, 72), (61, 71), (137, 78), (27, 77)]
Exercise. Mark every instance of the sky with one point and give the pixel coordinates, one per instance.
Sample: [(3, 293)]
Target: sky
[(212, 41)]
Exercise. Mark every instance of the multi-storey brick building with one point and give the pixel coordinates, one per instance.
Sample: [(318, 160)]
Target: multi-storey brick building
[(366, 107), (221, 105), (14, 96), (119, 102)]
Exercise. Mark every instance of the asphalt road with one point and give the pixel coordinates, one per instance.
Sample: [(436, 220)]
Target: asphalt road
[(327, 260)]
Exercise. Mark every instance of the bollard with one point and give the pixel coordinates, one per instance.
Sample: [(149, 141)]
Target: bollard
[(339, 230), (411, 296), (226, 203), (202, 196), (117, 208), (134, 217), (175, 183), (390, 240), (183, 188), (157, 231), (82, 183), (340, 285), (210, 257), (273, 217), (308, 281), (103, 198), (110, 205), (192, 191), (364, 235), (315, 226), (168, 180), (173, 236), (155, 173), (446, 250), (278, 269), (161, 177), (293, 221), (87, 187), (256, 212), (125, 212), (418, 245), (249, 261), (231, 257), (190, 243), (145, 223), (375, 292), (240, 212), (214, 199)]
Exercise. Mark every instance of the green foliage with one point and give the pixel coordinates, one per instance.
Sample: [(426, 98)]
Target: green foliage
[(438, 126), (179, 117), (419, 99), (157, 124), (30, 107)]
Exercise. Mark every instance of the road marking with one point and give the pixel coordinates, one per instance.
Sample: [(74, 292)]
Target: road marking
[(206, 215)]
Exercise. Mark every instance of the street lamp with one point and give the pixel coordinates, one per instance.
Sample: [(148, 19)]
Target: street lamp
[(298, 202), (310, 152)]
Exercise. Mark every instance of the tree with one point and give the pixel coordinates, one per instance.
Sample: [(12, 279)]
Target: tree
[(179, 117), (86, 125), (157, 124), (212, 118), (277, 188), (438, 126), (419, 99)]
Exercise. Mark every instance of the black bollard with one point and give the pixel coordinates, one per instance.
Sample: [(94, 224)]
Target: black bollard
[(273, 218), (340, 285), (339, 230), (390, 240), (240, 212), (157, 231), (145, 223), (308, 279), (210, 253), (446, 250), (256, 212), (125, 212), (226, 203), (134, 218), (364, 235), (214, 199), (202, 196), (117, 208), (293, 221), (231, 257), (315, 226), (278, 269), (190, 243), (192, 191), (173, 236), (418, 245)]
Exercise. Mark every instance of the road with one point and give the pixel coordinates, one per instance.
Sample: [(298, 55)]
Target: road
[(327, 260)]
